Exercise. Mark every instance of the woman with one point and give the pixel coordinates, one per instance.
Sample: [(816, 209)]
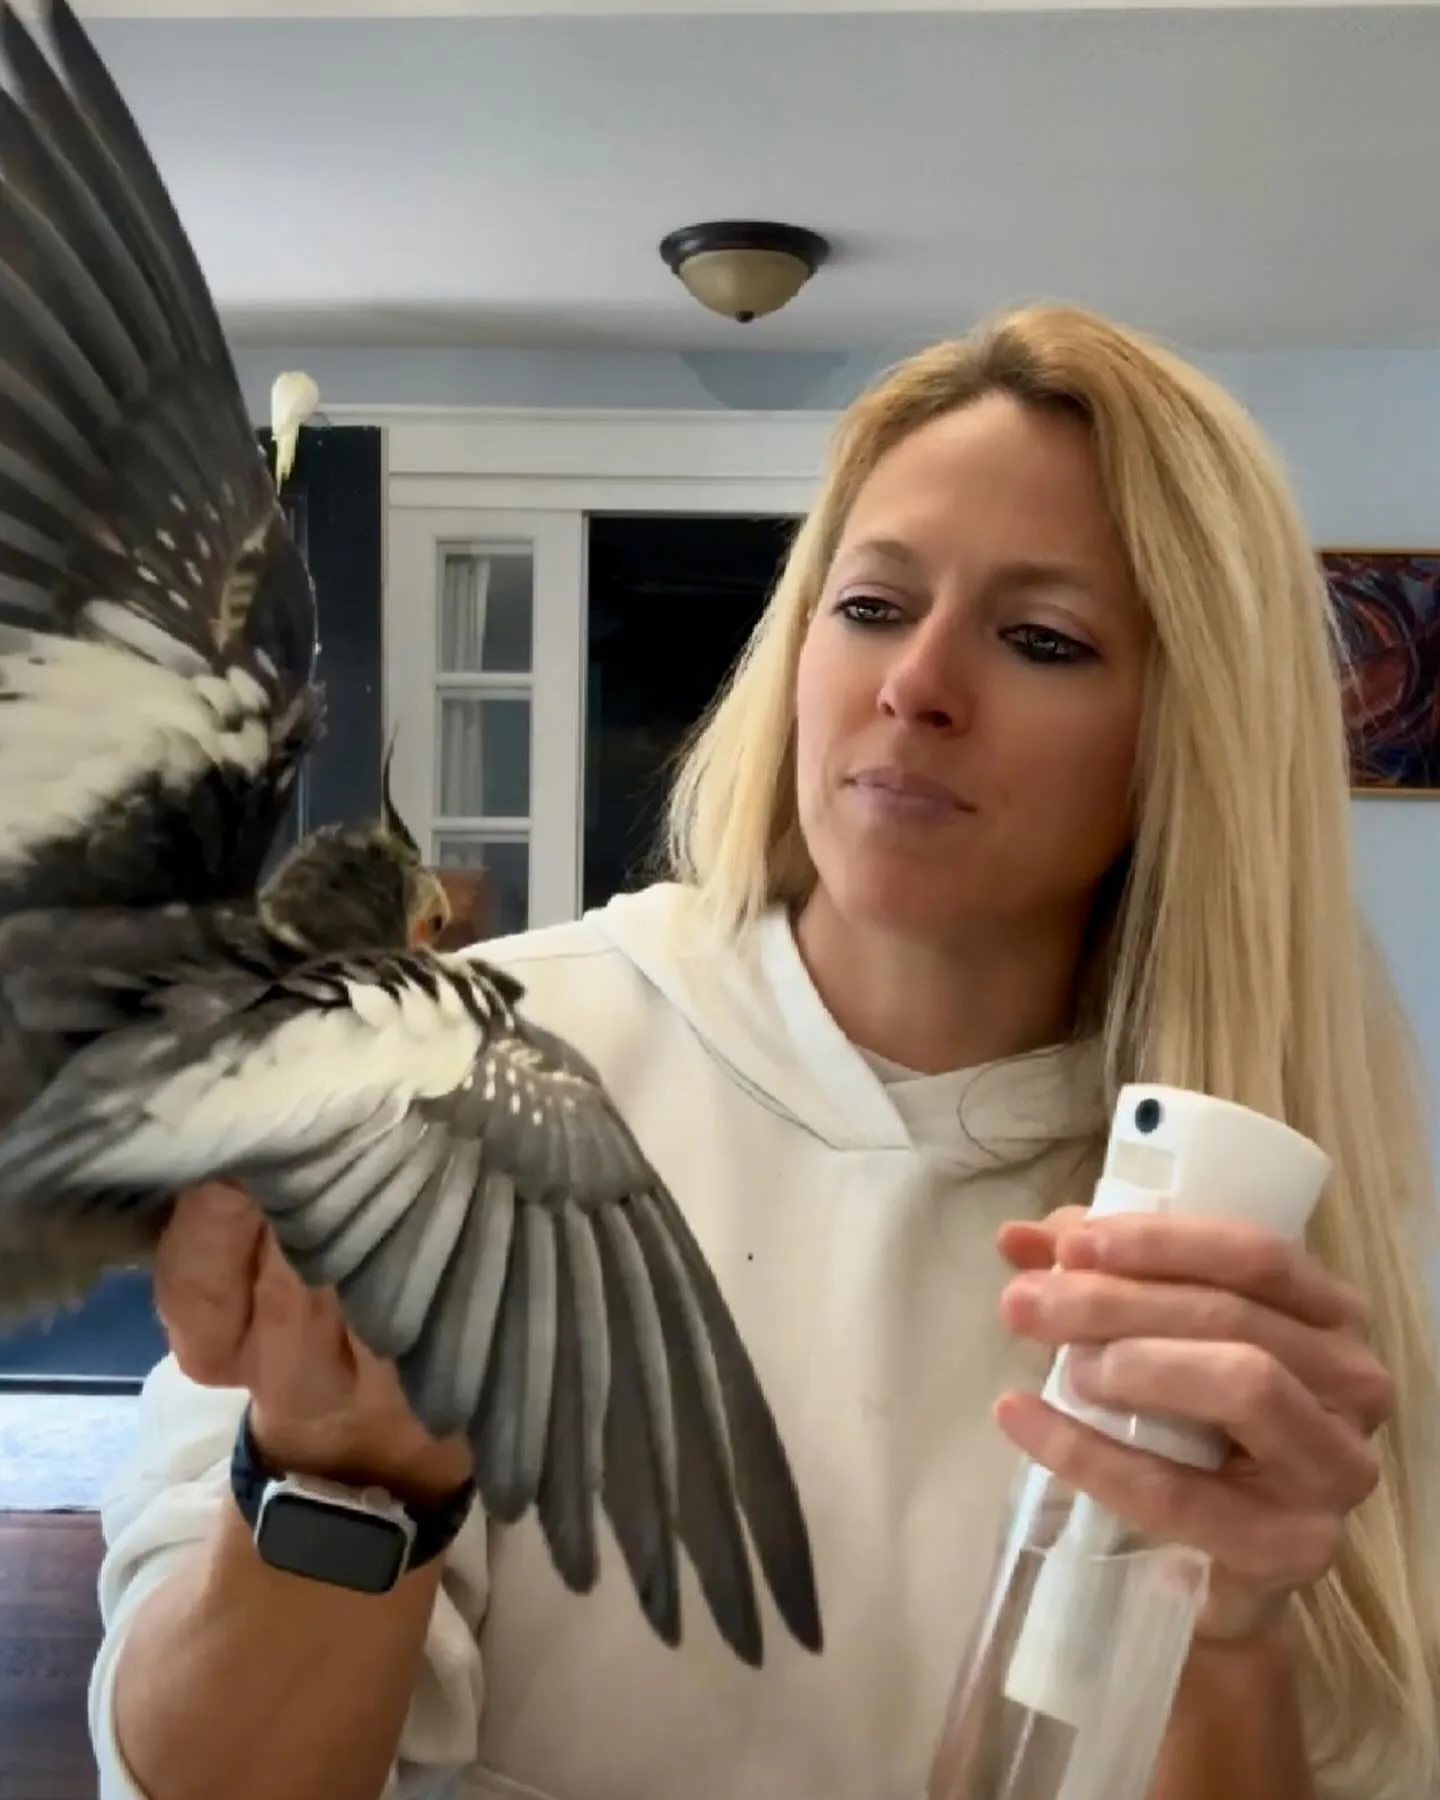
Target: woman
[(1032, 781)]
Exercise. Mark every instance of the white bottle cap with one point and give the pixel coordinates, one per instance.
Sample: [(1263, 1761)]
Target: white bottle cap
[(1189, 1155)]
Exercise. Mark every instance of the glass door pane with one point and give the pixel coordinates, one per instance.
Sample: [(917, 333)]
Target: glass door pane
[(505, 863), (487, 610), (484, 755)]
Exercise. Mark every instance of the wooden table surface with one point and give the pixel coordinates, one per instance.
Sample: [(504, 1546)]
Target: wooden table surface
[(49, 1632)]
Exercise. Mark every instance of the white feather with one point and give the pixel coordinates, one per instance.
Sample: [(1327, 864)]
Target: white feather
[(100, 724), (133, 631), (326, 1071), (249, 691)]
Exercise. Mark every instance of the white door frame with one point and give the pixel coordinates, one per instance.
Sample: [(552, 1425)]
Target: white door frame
[(498, 472), (597, 458)]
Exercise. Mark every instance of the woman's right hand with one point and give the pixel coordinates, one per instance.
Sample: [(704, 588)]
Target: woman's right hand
[(237, 1315)]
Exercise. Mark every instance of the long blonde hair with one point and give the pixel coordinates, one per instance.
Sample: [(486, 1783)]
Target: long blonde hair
[(1236, 961)]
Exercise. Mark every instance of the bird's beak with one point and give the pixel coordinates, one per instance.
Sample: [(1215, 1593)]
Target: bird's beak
[(293, 398), (432, 911)]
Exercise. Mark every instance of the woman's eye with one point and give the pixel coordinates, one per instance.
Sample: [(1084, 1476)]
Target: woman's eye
[(868, 609), (1041, 644)]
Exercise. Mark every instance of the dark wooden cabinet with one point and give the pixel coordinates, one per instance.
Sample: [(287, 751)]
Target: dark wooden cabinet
[(336, 502)]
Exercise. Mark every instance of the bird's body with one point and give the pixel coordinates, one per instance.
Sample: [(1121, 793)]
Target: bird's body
[(459, 1177), (341, 889)]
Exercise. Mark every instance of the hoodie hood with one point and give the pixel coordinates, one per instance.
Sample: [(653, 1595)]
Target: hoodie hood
[(754, 1006)]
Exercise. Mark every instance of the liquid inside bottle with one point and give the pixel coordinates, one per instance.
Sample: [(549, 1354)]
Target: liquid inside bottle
[(1068, 1685)]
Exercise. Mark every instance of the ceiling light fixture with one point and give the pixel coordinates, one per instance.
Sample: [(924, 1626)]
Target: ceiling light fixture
[(744, 268)]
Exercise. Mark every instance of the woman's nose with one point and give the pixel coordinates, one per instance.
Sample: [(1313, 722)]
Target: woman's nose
[(924, 684)]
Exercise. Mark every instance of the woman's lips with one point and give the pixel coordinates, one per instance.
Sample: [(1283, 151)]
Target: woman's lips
[(904, 793)]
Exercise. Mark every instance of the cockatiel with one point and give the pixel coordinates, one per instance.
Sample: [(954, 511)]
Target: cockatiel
[(456, 1174), (341, 889)]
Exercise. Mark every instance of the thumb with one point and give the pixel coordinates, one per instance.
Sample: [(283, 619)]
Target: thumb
[(202, 1276), (1030, 1243)]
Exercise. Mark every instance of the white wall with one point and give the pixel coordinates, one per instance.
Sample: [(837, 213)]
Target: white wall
[(1358, 433), (1357, 429)]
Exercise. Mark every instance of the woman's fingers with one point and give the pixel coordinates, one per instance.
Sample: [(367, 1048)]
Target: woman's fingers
[(1065, 1306), (238, 1315), (1030, 1243), (1223, 1324), (204, 1277), (1248, 1535), (1220, 1253), (235, 1312), (1214, 1252), (1304, 1455), (283, 1302)]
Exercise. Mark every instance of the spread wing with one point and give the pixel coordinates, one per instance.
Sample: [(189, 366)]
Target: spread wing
[(157, 625), (463, 1182)]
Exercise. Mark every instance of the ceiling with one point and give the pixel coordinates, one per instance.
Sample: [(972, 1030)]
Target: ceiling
[(1229, 178), (422, 9), (425, 9)]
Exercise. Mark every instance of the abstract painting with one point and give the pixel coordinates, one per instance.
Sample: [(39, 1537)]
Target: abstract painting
[(1388, 606)]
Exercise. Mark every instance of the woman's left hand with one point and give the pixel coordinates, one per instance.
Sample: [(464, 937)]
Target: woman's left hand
[(1218, 1322)]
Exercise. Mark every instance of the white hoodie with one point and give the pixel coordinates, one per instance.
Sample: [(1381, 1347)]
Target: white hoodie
[(849, 1210)]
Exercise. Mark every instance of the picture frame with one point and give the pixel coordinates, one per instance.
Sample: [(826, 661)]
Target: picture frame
[(1387, 606)]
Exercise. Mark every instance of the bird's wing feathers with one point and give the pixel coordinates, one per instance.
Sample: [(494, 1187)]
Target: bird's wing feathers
[(64, 979), (489, 1223), (157, 624), (459, 1177)]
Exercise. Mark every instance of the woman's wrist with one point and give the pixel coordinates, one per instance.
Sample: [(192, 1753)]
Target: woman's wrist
[(1267, 1648), (1236, 1732), (394, 1454)]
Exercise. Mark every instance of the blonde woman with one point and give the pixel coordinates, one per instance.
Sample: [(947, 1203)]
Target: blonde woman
[(1031, 782)]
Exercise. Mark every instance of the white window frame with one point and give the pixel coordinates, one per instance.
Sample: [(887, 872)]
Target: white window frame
[(485, 474)]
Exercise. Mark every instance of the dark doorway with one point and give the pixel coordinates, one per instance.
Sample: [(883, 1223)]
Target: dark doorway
[(672, 600), (335, 501)]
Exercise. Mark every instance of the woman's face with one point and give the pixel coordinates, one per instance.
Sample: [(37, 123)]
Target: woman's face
[(969, 692)]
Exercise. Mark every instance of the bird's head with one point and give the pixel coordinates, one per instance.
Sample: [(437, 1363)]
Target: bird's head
[(346, 888), (427, 905)]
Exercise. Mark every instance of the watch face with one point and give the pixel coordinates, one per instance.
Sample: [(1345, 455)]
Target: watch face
[(332, 1543)]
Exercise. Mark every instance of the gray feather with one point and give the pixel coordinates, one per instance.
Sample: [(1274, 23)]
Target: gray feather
[(444, 1370), (708, 1515), (634, 1491), (514, 1413), (573, 1470), (397, 1283)]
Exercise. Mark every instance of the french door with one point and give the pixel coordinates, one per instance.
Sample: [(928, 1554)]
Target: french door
[(485, 659)]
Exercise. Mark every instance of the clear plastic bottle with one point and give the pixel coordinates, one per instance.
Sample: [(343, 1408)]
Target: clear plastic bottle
[(1068, 1685)]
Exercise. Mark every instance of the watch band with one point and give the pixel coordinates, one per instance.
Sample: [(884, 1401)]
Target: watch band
[(436, 1525)]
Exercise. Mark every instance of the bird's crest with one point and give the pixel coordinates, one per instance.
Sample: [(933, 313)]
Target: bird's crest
[(389, 813)]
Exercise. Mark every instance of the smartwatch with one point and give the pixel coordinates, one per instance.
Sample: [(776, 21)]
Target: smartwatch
[(358, 1538)]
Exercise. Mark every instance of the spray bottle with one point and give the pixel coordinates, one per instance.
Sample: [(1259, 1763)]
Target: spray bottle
[(1068, 1685)]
